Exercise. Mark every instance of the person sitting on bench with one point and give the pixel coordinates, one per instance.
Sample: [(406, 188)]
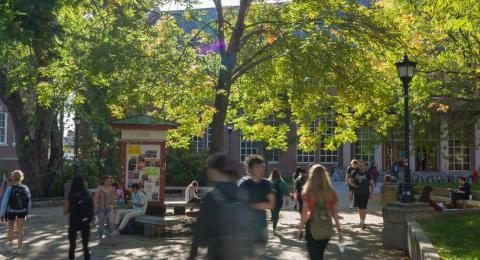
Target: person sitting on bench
[(137, 207), (191, 193), (463, 192)]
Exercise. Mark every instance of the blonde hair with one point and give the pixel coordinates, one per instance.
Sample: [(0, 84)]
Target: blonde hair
[(354, 161), (318, 184), (17, 176)]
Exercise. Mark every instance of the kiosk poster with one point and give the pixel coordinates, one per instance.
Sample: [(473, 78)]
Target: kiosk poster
[(143, 167)]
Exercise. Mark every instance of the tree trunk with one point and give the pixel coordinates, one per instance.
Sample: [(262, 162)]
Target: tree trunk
[(228, 64), (56, 149)]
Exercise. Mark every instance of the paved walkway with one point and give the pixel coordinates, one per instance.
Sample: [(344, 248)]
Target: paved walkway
[(46, 238)]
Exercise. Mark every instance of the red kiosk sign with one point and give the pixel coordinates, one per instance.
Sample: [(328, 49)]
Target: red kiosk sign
[(142, 157)]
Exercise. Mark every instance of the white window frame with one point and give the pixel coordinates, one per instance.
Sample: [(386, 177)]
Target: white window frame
[(208, 136), (328, 156), (274, 153), (14, 139), (246, 145), (455, 144), (197, 144), (5, 128), (363, 143), (304, 157)]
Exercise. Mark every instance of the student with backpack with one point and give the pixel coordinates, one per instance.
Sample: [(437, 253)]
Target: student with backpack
[(16, 203), (79, 207), (320, 207), (261, 196), (280, 190), (225, 221)]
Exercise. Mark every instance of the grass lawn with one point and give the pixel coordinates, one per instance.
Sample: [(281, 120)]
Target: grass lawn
[(475, 187), (454, 237)]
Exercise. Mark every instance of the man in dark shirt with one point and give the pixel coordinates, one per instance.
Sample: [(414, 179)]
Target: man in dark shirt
[(261, 195), (363, 186), (299, 182), (463, 192)]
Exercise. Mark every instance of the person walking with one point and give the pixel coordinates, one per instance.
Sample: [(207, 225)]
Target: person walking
[(225, 222), (280, 191), (16, 203), (373, 172), (299, 183), (104, 206), (364, 188), (79, 207), (261, 196), (137, 207), (350, 170), (295, 176), (320, 207)]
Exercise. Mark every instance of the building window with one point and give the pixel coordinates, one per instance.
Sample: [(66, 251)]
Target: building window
[(200, 144), (328, 156), (209, 137), (305, 157), (14, 139), (274, 156), (3, 128), (458, 154), (364, 148), (247, 148), (196, 144)]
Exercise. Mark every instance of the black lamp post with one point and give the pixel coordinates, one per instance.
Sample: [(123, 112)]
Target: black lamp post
[(391, 111), (76, 121), (406, 69)]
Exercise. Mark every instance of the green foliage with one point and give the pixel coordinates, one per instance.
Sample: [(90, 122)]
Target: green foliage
[(88, 168), (455, 236), (184, 167)]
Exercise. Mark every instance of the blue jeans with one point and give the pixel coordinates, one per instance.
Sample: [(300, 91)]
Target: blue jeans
[(105, 216)]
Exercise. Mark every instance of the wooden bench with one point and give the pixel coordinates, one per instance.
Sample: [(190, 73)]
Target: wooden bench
[(153, 226)]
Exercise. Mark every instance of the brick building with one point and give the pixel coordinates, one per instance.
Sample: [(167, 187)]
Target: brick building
[(8, 156), (455, 155)]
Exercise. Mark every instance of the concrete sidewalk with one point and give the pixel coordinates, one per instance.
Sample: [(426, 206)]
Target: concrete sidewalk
[(46, 238)]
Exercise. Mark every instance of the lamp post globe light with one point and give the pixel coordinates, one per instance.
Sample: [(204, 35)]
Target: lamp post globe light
[(406, 69), (76, 121)]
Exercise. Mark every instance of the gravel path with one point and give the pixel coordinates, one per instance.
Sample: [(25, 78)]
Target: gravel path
[(46, 238)]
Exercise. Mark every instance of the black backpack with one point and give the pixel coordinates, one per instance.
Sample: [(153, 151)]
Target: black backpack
[(235, 227), (81, 208), (19, 198)]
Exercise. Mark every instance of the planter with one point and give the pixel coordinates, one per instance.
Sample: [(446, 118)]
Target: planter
[(388, 193), (476, 195), (419, 245)]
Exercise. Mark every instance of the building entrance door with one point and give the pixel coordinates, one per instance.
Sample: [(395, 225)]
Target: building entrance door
[(426, 160), (394, 152)]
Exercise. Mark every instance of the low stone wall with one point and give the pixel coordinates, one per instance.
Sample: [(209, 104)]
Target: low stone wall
[(47, 203), (419, 245)]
